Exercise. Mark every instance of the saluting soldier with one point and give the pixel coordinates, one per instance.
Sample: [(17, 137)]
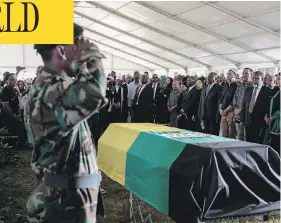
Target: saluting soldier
[(56, 112)]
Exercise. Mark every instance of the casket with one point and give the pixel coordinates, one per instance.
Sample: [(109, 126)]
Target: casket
[(189, 175)]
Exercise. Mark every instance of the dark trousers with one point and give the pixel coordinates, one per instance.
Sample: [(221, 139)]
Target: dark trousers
[(275, 142), (14, 127), (189, 124), (140, 116), (94, 127), (116, 115), (104, 121), (183, 123), (211, 127), (253, 134), (124, 113)]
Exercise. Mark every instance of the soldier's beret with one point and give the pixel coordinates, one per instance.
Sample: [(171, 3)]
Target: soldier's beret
[(78, 31)]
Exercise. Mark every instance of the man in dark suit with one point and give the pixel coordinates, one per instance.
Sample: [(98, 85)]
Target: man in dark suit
[(208, 105), (189, 105), (254, 109), (143, 101), (156, 93)]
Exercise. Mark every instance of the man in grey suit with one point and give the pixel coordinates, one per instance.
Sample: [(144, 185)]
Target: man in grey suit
[(208, 105)]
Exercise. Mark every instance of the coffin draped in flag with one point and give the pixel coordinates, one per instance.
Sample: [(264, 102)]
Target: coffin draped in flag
[(189, 175)]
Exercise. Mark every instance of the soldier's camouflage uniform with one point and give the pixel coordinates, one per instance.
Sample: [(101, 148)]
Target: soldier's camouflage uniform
[(56, 121)]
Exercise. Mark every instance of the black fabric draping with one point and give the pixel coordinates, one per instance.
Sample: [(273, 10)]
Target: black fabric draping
[(220, 180)]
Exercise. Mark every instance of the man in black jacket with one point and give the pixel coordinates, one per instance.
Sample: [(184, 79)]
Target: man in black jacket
[(189, 104), (254, 108), (208, 105), (142, 104), (156, 93), (227, 124)]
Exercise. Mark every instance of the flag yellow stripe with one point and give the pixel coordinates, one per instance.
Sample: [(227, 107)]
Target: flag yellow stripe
[(115, 143)]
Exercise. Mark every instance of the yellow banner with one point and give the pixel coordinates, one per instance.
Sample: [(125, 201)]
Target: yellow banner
[(36, 22)]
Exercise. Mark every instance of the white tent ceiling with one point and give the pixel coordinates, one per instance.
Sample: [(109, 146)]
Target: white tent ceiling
[(178, 35), (172, 36)]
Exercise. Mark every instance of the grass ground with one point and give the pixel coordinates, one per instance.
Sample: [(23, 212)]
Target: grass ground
[(17, 181)]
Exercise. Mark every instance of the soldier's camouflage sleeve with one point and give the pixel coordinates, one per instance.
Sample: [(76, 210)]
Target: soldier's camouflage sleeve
[(74, 100)]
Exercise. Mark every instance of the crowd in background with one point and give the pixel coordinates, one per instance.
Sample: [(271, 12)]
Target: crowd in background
[(246, 107), (243, 107), (13, 94)]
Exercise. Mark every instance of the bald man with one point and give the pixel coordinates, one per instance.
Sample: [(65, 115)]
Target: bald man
[(271, 83)]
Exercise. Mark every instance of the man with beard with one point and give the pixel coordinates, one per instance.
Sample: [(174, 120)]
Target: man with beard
[(64, 156), (208, 105)]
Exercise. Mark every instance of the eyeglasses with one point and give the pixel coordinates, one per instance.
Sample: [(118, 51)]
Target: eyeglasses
[(155, 77)]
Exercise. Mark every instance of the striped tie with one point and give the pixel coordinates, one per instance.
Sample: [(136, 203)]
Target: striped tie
[(252, 102)]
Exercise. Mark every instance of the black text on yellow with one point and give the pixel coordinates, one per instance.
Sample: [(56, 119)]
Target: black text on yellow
[(23, 27)]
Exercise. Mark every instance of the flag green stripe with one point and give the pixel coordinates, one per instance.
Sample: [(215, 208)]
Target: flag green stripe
[(148, 165)]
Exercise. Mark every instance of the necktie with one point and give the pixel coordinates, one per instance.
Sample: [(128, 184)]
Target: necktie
[(252, 102), (139, 90), (154, 90), (208, 89)]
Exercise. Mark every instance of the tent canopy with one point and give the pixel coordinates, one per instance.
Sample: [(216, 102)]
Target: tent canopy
[(185, 35), (168, 37)]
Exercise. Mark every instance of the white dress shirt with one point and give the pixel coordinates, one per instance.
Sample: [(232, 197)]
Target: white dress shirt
[(154, 86), (117, 88), (258, 91), (189, 89), (132, 92), (211, 86)]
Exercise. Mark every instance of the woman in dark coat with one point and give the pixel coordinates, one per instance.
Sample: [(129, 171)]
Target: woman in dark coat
[(162, 114)]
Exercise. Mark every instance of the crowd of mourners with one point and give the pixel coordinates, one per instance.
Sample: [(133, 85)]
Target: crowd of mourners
[(244, 107), (13, 95)]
